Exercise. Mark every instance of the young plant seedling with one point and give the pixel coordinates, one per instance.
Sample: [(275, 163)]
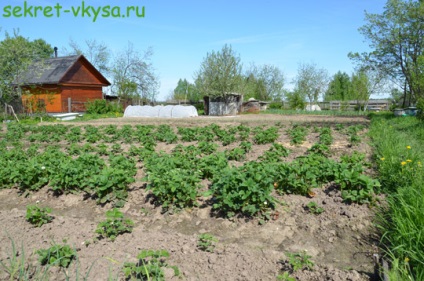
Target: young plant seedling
[(37, 215), (58, 255), (114, 225), (206, 242), (300, 261), (313, 208), (285, 277), (149, 266)]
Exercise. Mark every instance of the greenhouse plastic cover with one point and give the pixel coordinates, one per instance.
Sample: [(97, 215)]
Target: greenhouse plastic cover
[(167, 111)]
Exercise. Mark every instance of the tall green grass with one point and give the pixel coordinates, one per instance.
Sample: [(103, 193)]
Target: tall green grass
[(399, 153)]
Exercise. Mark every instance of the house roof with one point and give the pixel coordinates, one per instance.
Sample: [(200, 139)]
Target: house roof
[(54, 70)]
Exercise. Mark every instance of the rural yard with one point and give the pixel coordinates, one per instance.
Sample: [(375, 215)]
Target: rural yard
[(271, 190)]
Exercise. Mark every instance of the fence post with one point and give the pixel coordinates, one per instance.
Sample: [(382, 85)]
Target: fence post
[(69, 105)]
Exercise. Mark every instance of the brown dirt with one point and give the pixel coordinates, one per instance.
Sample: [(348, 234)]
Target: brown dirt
[(340, 241)]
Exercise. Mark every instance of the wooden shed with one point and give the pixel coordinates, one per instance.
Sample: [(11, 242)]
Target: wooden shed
[(219, 106), (61, 84)]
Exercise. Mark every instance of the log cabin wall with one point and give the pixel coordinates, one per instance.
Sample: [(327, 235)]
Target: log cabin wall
[(47, 95), (79, 96)]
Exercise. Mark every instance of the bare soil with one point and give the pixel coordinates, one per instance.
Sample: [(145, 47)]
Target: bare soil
[(341, 241)]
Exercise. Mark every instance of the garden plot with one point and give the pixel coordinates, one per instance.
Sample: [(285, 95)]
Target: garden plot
[(234, 200)]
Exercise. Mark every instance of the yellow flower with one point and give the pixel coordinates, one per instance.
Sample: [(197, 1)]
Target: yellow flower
[(406, 259), (382, 158), (409, 160), (408, 147), (403, 163)]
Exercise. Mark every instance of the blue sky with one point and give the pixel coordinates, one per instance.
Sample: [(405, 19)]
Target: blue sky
[(278, 32)]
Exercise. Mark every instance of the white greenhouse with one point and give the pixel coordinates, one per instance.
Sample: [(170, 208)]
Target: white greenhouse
[(167, 111)]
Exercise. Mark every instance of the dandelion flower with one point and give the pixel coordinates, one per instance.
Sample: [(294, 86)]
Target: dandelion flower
[(409, 160), (403, 163), (382, 158), (408, 147)]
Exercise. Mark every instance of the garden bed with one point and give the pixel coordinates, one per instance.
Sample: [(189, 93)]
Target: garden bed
[(331, 234)]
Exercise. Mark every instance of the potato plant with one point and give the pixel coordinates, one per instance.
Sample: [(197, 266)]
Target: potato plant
[(102, 161), (114, 225)]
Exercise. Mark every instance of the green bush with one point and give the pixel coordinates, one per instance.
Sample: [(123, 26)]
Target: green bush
[(275, 105), (102, 107)]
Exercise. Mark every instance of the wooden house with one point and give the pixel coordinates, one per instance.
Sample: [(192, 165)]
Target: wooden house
[(61, 84)]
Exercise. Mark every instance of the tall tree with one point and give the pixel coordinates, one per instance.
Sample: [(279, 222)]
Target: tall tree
[(220, 73), (254, 87), (311, 81), (268, 81), (16, 54), (340, 88), (186, 91), (96, 52), (366, 82), (134, 76), (397, 39), (296, 99)]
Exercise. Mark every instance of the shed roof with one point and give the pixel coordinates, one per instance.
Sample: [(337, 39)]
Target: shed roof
[(53, 70)]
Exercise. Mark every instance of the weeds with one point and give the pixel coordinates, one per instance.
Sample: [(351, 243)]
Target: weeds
[(114, 225), (16, 266), (57, 255), (150, 266), (313, 208), (38, 216), (300, 261), (206, 242)]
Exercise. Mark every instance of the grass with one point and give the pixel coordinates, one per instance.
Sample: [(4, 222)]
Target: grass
[(17, 267), (399, 153), (38, 118), (323, 112)]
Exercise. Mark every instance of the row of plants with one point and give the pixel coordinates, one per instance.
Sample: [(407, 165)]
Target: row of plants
[(150, 133), (29, 170), (174, 178), (246, 190)]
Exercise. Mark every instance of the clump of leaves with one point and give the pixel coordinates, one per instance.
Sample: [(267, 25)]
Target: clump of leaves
[(149, 266), (37, 215), (285, 276), (275, 153), (313, 208), (206, 242), (244, 190), (174, 188), (320, 149), (300, 261), (58, 255), (114, 225), (207, 148), (236, 154), (265, 136), (357, 187), (297, 134)]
